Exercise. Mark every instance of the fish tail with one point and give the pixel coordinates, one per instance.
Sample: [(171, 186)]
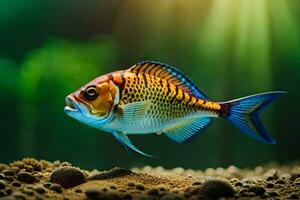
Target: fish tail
[(244, 114)]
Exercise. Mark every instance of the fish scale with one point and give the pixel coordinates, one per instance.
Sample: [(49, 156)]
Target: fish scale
[(167, 106)]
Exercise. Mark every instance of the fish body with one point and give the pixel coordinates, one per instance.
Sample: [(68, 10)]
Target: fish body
[(152, 97)]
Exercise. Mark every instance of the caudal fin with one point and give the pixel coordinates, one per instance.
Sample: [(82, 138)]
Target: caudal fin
[(244, 114)]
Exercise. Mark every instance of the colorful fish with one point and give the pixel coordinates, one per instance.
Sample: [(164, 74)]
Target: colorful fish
[(151, 97)]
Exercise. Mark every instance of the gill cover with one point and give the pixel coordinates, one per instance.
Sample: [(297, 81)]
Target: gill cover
[(107, 99)]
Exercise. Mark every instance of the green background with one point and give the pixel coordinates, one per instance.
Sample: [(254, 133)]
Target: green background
[(229, 48)]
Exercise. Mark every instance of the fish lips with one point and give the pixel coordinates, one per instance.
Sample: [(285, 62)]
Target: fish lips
[(72, 108)]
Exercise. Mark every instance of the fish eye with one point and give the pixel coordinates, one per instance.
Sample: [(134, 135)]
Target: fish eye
[(91, 93)]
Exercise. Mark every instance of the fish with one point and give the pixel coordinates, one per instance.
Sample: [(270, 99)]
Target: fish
[(152, 97)]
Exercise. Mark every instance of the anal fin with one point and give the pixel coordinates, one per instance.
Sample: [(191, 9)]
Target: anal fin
[(121, 137), (183, 132)]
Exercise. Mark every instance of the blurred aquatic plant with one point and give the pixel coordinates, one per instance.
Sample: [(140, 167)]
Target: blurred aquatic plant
[(48, 74)]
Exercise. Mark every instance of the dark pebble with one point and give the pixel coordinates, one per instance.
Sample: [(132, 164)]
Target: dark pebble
[(8, 172), (78, 190), (196, 183), (213, 189), (55, 187), (26, 177), (273, 194), (113, 187), (47, 185), (199, 197), (140, 187), (2, 184), (238, 184), (270, 185), (9, 178), (131, 184), (40, 189), (293, 196), (172, 197), (280, 181), (153, 192), (113, 173), (99, 195), (8, 191), (67, 177), (16, 184), (147, 198), (258, 190), (127, 196), (91, 192)]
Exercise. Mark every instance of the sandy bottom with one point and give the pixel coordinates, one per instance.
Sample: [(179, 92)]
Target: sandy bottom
[(33, 179)]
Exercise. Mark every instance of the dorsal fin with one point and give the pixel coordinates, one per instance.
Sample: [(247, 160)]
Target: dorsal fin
[(168, 73)]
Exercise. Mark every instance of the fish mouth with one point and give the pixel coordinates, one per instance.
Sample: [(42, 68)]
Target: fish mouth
[(72, 105)]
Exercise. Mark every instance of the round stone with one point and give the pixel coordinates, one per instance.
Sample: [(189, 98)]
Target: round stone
[(67, 177)]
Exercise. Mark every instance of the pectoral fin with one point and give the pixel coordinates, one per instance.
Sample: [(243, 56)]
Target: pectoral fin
[(134, 111), (187, 129), (121, 137)]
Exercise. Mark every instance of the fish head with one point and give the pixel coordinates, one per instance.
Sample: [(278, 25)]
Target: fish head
[(93, 104)]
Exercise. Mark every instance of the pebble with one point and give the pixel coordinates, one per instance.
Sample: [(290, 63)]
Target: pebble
[(67, 177), (238, 184), (147, 198), (113, 173), (131, 184), (55, 187), (9, 178), (270, 185), (2, 184), (273, 194), (8, 172), (78, 190), (40, 189), (153, 192), (95, 194), (113, 187), (258, 190), (280, 181), (213, 189), (92, 192), (26, 177), (47, 185), (8, 191), (293, 196), (196, 183), (128, 196), (171, 196), (16, 184), (140, 186)]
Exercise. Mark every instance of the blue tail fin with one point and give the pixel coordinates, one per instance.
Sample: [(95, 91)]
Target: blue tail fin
[(244, 114)]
